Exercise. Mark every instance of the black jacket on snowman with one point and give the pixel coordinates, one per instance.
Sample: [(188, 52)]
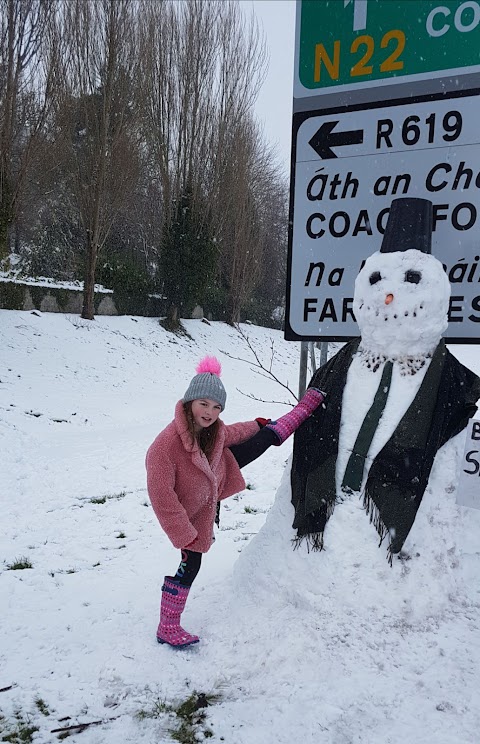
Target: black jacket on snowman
[(399, 474)]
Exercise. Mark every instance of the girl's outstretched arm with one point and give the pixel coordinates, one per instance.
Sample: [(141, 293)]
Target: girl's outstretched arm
[(236, 433)]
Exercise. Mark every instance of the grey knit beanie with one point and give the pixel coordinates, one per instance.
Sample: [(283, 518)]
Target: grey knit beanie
[(207, 383)]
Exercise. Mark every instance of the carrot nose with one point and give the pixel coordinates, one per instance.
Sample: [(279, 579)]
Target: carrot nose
[(388, 299)]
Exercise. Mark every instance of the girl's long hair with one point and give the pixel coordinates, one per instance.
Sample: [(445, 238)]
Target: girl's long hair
[(206, 438)]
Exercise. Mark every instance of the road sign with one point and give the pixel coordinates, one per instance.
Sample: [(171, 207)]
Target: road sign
[(468, 490), (353, 44), (349, 165)]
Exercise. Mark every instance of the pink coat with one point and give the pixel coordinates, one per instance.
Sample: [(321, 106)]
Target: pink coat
[(184, 486)]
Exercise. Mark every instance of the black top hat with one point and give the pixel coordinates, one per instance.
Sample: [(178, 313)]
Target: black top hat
[(410, 225)]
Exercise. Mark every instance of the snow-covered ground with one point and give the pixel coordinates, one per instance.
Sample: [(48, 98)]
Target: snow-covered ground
[(362, 656)]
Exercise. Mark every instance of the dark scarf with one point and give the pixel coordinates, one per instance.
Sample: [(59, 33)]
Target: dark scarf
[(399, 474)]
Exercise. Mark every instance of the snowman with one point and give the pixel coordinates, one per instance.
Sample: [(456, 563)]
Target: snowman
[(361, 588), (397, 404), (396, 395)]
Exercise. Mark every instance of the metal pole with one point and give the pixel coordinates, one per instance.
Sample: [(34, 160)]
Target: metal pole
[(302, 378), (323, 346), (313, 362)]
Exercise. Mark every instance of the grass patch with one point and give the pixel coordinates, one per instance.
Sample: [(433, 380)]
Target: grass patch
[(230, 527), (250, 487), (159, 708), (121, 536), (190, 717), (42, 706), (250, 510), (19, 564), (107, 497), (18, 731)]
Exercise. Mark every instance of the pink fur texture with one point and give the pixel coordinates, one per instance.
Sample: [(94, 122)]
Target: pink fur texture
[(184, 486), (209, 364)]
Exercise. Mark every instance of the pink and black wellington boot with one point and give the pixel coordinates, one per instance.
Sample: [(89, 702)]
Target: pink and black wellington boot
[(174, 597)]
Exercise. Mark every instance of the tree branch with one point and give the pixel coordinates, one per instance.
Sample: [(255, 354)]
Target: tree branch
[(79, 727), (261, 400), (264, 371)]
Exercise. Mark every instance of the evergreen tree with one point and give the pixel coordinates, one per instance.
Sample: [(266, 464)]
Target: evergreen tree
[(188, 258)]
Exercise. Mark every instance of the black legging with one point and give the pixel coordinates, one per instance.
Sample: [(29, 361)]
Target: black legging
[(248, 451), (188, 568), (243, 453)]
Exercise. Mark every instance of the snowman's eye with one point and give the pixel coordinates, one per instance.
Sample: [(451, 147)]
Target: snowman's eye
[(413, 277), (375, 277)]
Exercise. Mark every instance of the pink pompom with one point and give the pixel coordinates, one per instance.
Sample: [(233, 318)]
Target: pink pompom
[(209, 364)]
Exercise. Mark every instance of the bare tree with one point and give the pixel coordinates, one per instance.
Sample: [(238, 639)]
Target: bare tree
[(203, 66), (241, 210), (242, 67), (260, 366), (178, 52), (239, 157), (29, 56), (99, 119), (266, 306)]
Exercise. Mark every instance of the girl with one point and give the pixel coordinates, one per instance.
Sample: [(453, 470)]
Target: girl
[(192, 465)]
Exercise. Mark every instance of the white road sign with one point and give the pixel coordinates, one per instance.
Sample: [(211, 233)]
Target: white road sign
[(468, 490), (349, 167)]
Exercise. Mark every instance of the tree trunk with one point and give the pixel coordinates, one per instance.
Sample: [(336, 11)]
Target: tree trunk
[(9, 90), (5, 222), (172, 314), (25, 76), (233, 310), (88, 308)]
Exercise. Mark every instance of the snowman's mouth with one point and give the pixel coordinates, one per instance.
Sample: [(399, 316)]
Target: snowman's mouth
[(380, 312)]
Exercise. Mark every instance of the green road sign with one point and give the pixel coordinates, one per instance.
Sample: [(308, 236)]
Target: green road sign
[(354, 43)]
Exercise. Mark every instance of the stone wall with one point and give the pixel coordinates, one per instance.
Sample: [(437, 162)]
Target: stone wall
[(51, 299)]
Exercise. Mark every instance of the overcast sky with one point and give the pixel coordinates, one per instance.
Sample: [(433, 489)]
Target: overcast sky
[(274, 106)]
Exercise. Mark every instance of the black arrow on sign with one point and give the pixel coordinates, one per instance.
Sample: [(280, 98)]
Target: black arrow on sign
[(323, 140)]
